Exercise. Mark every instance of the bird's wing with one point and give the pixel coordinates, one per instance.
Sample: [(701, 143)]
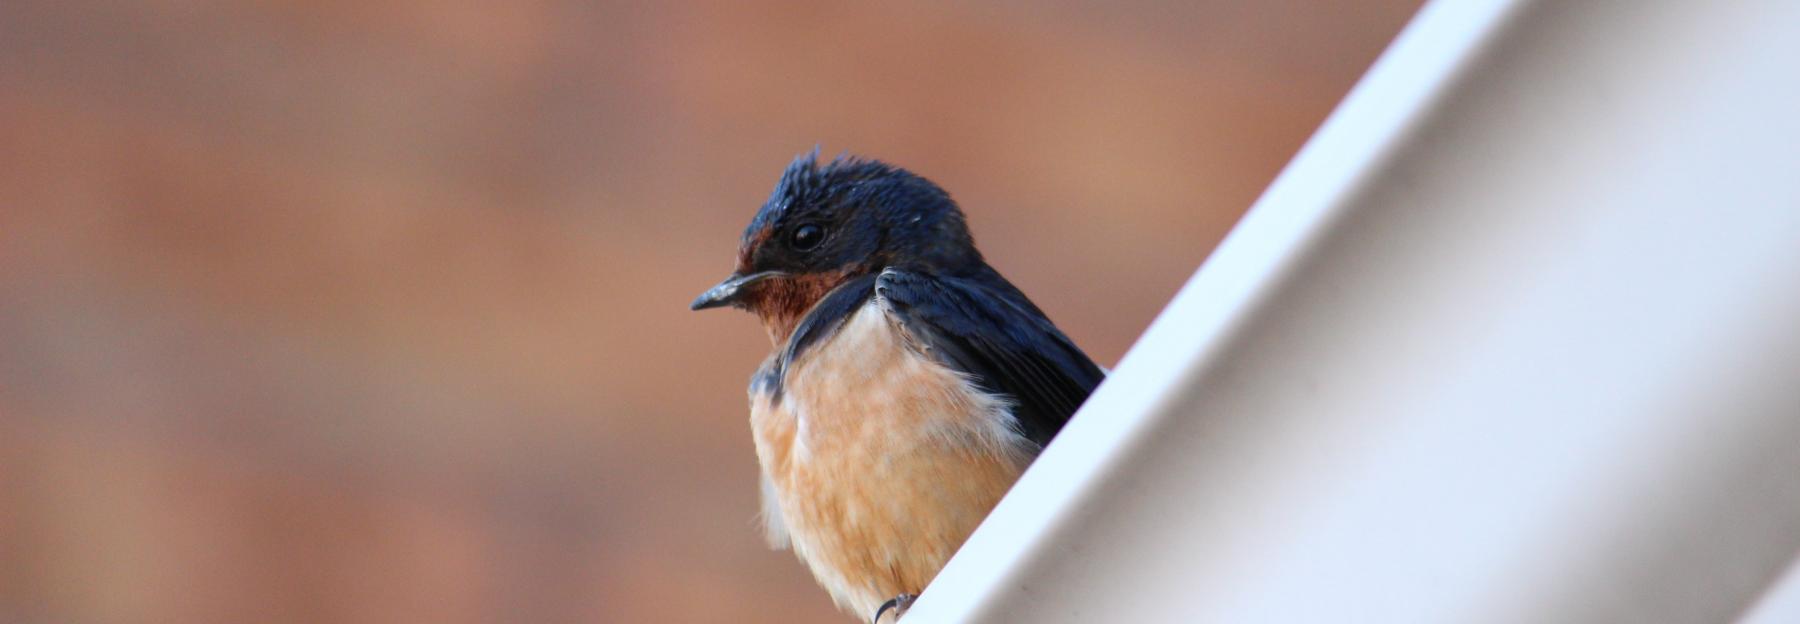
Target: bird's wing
[(1005, 346)]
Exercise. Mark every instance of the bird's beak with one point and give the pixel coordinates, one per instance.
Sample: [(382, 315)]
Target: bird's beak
[(730, 290)]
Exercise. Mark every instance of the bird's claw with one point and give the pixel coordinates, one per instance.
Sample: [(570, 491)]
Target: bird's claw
[(897, 604)]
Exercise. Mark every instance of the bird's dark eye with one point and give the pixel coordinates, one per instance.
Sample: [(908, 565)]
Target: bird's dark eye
[(806, 237)]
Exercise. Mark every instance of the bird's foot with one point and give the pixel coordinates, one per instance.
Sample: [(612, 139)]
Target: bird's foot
[(897, 604)]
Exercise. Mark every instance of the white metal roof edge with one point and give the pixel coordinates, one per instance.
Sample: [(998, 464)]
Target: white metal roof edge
[(1355, 142)]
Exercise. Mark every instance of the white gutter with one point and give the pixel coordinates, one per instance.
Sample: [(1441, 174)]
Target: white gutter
[(1515, 338)]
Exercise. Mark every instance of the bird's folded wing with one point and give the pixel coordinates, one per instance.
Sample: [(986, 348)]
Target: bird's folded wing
[(1005, 346)]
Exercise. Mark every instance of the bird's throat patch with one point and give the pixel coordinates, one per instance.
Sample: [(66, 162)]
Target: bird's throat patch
[(781, 302)]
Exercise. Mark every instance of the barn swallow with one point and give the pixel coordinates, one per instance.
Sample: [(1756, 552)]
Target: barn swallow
[(909, 386)]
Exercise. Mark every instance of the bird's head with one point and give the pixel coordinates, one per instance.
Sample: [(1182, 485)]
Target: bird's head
[(826, 225)]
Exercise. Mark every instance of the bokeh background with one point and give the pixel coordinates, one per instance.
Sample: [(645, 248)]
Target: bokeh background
[(349, 311)]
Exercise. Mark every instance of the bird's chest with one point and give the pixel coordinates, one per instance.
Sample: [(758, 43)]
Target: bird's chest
[(881, 460)]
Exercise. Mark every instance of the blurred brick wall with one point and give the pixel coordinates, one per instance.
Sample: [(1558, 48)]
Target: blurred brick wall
[(375, 312)]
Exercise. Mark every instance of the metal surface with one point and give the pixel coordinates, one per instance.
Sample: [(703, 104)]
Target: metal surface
[(1513, 339)]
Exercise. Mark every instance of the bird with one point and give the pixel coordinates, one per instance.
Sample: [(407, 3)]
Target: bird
[(909, 384)]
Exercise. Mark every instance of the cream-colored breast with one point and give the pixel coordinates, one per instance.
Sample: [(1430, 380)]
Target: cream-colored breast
[(880, 461)]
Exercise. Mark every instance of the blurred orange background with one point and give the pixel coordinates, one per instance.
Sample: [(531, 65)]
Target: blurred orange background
[(376, 311)]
